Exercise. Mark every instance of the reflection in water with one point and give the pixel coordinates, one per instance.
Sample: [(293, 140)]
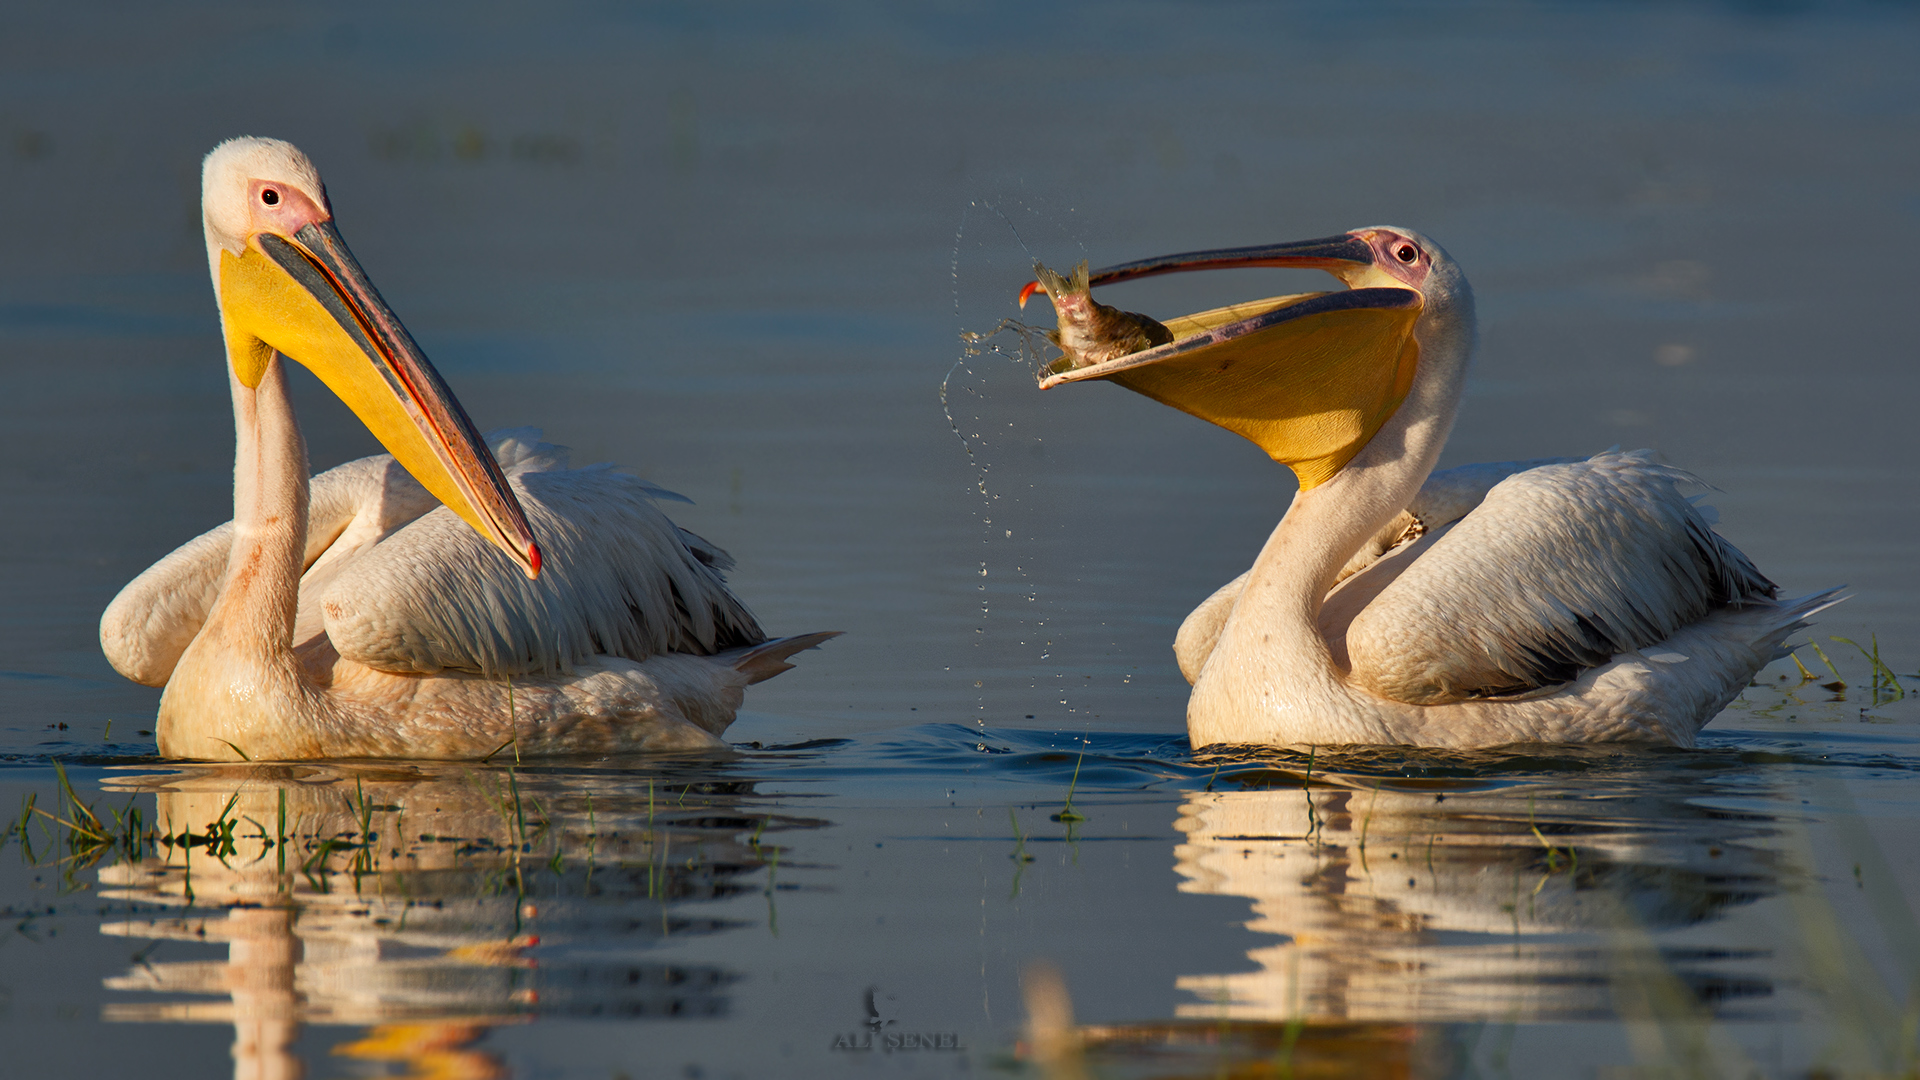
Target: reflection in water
[(1414, 913), (410, 900), (1441, 900), (1425, 906), (1220, 1047)]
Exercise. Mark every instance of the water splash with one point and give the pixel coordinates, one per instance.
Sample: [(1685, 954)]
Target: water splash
[(1024, 349)]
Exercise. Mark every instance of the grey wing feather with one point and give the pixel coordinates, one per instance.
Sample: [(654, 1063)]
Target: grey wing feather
[(1560, 569), (706, 551), (618, 577)]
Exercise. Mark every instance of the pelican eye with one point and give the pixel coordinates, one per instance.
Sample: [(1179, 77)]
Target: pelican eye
[(1406, 253), (269, 196)]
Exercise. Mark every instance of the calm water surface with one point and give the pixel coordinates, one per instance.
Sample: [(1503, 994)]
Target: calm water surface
[(734, 249)]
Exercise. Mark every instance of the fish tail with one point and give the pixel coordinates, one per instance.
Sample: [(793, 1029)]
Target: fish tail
[(1055, 285)]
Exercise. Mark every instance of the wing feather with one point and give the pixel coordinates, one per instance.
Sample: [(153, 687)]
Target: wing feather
[(148, 626), (157, 615), (1445, 498), (618, 578), (619, 575), (1559, 569)]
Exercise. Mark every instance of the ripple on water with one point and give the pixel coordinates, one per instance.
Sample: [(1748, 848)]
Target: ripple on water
[(1375, 897)]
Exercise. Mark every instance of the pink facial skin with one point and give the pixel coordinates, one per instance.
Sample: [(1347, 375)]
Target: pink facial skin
[(282, 209), (1397, 256)]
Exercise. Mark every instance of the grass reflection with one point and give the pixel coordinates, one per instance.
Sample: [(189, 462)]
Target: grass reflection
[(1425, 908), (427, 903), (1410, 912)]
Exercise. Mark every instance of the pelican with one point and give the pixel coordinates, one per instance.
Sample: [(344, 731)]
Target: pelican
[(1547, 601), (395, 607)]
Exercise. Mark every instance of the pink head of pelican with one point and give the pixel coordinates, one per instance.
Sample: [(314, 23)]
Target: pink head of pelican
[(1553, 600), (288, 285)]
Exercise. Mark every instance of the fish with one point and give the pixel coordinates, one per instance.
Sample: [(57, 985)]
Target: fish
[(1090, 332)]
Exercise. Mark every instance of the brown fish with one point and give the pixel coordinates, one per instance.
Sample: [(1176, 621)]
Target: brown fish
[(1090, 332)]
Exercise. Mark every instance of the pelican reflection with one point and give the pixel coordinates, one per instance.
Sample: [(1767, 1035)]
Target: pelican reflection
[(412, 901), (1432, 901)]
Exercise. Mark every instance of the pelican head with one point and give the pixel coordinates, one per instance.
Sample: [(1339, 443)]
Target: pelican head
[(1310, 378), (287, 284), (1398, 257)]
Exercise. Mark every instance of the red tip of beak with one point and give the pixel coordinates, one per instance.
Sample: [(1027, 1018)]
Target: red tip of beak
[(1027, 293), (533, 559)]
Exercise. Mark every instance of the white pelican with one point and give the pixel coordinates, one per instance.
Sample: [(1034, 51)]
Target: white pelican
[(1573, 601), (357, 616)]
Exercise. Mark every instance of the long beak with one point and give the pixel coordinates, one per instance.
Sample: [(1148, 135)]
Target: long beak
[(306, 298), (1308, 378), (1334, 254)]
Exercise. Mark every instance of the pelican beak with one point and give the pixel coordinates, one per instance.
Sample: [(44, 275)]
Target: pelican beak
[(1338, 255), (304, 296), (1310, 378)]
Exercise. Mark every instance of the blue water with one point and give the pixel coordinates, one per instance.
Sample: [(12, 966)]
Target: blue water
[(734, 248)]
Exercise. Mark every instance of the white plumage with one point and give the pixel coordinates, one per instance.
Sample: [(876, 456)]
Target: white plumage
[(620, 579), (446, 601), (1548, 601), (397, 582), (1442, 628)]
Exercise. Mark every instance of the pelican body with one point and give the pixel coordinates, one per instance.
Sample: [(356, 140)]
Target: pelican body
[(1546, 601), (436, 602)]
